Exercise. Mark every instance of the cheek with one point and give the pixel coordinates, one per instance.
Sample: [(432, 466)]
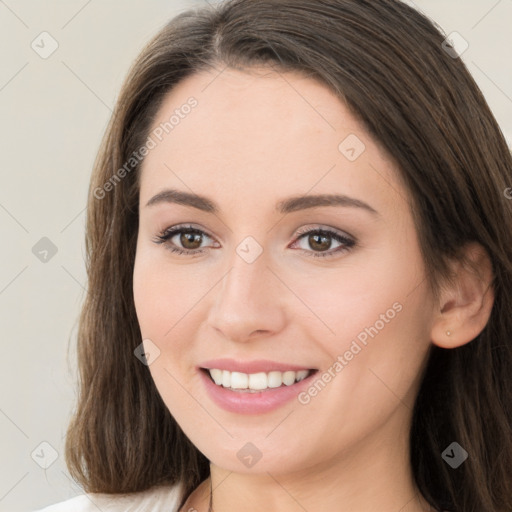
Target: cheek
[(370, 288), (375, 355), (164, 302), (373, 315), (163, 295), (170, 304)]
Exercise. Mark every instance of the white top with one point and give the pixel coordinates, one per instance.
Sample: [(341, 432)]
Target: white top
[(158, 498)]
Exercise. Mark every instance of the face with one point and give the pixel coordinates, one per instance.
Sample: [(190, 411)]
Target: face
[(319, 304)]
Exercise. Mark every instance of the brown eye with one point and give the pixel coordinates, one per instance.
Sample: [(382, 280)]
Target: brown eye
[(190, 241), (321, 240), (185, 240)]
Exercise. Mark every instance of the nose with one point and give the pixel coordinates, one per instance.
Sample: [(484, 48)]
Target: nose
[(248, 302)]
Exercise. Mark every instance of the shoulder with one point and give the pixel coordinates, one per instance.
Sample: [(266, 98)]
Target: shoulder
[(156, 498)]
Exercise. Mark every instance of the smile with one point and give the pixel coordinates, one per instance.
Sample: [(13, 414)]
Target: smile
[(253, 387), (254, 382)]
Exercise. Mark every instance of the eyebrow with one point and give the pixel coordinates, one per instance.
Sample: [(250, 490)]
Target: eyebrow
[(289, 205)]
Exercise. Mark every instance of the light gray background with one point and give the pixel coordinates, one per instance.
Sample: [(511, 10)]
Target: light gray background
[(53, 114)]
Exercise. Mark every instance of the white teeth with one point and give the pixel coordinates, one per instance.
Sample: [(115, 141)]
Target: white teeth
[(275, 379), (239, 380), (288, 378), (302, 374), (216, 376), (256, 381), (226, 379)]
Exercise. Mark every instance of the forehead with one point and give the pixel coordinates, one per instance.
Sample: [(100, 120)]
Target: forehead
[(263, 133)]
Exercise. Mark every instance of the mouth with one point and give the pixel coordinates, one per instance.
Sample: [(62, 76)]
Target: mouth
[(256, 382), (253, 387)]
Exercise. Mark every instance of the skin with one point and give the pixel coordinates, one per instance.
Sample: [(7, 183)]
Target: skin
[(255, 138)]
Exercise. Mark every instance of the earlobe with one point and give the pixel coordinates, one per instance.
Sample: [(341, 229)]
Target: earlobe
[(465, 305)]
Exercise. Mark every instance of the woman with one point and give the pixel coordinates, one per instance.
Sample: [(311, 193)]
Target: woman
[(300, 272)]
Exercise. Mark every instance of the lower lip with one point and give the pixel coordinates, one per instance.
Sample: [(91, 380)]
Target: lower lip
[(252, 403)]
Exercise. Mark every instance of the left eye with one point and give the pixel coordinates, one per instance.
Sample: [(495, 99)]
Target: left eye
[(190, 239), (319, 239)]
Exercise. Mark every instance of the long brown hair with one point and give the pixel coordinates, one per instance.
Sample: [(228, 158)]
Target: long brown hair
[(386, 61)]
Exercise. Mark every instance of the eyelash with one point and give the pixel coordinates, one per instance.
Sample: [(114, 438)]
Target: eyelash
[(165, 236)]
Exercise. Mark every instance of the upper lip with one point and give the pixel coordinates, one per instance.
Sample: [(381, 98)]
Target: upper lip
[(256, 366)]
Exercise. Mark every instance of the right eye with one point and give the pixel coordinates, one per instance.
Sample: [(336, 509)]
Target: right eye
[(187, 235)]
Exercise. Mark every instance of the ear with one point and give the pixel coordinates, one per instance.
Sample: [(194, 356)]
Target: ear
[(465, 305)]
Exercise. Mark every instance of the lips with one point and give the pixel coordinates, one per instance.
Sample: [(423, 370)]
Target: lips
[(253, 387)]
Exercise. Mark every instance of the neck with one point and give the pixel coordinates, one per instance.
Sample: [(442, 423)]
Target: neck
[(320, 491), (373, 475)]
